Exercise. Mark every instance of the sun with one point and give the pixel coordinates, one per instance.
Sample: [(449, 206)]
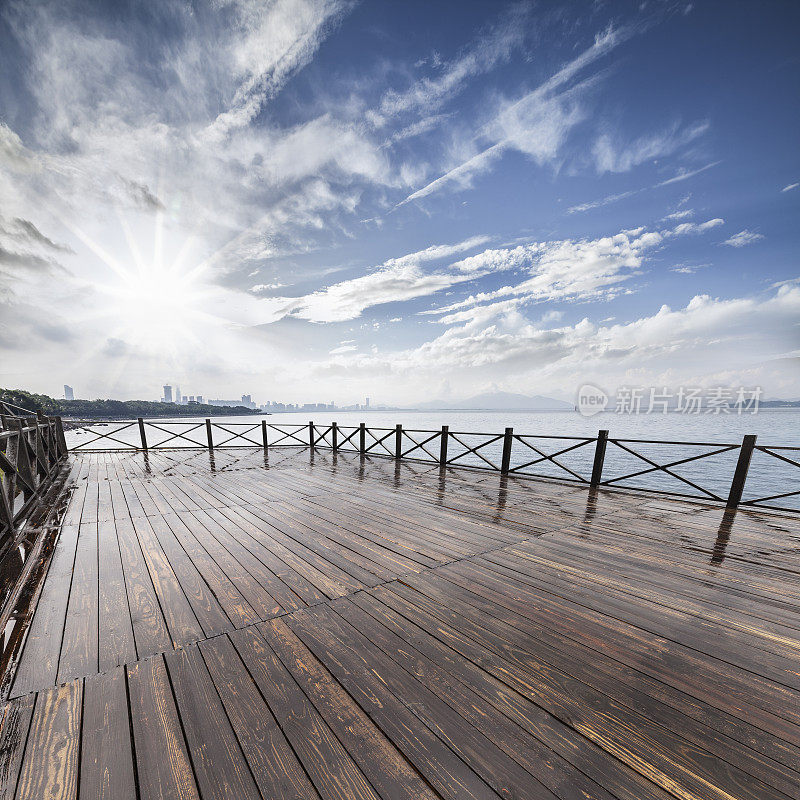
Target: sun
[(156, 309), (155, 305), (161, 307)]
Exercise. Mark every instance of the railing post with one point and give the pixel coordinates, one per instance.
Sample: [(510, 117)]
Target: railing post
[(141, 433), (362, 438), (60, 438), (310, 434), (209, 434), (22, 463), (599, 458), (445, 435), (264, 432), (508, 441), (740, 475), (398, 441), (334, 436)]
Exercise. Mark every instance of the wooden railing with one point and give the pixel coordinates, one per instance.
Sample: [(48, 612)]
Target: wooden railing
[(712, 471), (31, 451), (33, 464)]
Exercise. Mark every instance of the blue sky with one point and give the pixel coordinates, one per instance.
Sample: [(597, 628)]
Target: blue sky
[(318, 199)]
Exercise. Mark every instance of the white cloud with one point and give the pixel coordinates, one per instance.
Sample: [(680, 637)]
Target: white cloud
[(564, 270), (436, 252), (272, 41), (492, 48), (688, 269), (13, 153), (603, 201), (684, 214), (696, 227), (685, 174), (612, 156), (743, 238), (265, 287), (345, 348), (790, 186), (666, 348), (613, 198), (397, 279), (537, 124)]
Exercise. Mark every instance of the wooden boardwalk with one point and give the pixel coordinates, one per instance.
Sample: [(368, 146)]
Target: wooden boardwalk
[(329, 626)]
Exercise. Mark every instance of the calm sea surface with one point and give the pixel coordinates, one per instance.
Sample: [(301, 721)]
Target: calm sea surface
[(768, 475)]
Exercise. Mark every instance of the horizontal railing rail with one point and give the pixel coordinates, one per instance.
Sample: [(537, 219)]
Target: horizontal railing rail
[(711, 471)]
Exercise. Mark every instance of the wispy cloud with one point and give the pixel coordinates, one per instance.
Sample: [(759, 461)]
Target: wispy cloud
[(273, 41), (790, 186), (696, 227), (682, 214), (686, 344), (493, 47), (743, 238), (567, 269), (603, 201), (685, 174), (536, 124), (613, 198), (397, 279), (612, 155)]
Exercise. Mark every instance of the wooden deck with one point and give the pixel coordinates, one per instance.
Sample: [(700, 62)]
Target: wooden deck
[(326, 626)]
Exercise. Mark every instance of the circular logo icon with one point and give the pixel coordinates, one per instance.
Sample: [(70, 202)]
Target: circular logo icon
[(591, 400)]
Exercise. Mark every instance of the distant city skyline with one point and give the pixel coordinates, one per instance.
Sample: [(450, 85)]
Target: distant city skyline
[(319, 198), (247, 401)]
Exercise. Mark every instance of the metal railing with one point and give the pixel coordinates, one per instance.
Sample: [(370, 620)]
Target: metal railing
[(712, 471)]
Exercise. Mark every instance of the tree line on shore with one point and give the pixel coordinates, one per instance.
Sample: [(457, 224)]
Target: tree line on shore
[(113, 409)]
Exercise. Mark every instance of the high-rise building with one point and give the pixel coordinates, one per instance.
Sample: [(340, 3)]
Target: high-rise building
[(367, 403), (167, 393), (199, 398), (177, 394), (69, 394), (246, 400)]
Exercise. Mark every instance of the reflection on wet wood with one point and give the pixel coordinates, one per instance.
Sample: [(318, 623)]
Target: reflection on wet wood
[(344, 627)]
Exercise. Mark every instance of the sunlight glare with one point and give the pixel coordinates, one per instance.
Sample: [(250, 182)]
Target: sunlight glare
[(156, 309)]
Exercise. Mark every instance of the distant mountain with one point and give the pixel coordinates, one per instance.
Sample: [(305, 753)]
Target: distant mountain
[(498, 401)]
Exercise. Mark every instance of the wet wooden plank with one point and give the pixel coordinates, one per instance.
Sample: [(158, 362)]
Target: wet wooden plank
[(50, 765), (657, 753), (80, 643), (385, 767), (610, 658), (564, 742), (273, 593), (499, 770), (274, 764), (219, 765), (238, 611), (116, 640), (106, 750), (163, 765), (259, 599), (324, 758), (147, 619), (38, 666), (15, 721), (301, 586), (439, 765), (202, 598), (177, 610)]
